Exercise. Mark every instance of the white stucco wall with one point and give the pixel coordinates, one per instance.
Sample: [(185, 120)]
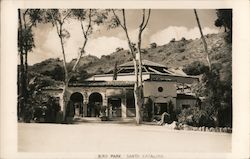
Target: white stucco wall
[(128, 77), (150, 88)]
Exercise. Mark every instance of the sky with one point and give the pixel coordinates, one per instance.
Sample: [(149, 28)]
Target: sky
[(164, 25)]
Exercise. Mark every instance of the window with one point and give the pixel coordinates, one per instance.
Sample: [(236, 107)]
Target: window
[(160, 89), (185, 106)]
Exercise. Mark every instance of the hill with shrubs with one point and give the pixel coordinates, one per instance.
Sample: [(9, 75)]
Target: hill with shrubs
[(184, 54)]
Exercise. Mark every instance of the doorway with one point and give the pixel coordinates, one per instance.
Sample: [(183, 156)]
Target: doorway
[(94, 105), (115, 105), (77, 103)]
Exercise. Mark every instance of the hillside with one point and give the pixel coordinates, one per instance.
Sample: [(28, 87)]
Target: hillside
[(177, 54), (174, 54)]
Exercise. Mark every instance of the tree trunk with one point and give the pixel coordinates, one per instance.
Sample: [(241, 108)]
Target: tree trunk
[(138, 92), (137, 95), (22, 78), (66, 77), (64, 102), (26, 76), (203, 40), (140, 97)]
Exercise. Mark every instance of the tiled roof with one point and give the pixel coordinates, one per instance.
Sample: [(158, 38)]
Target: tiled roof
[(186, 96), (53, 88), (144, 62), (104, 84)]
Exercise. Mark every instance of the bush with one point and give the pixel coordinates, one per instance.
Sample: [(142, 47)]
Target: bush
[(56, 72), (119, 49), (153, 45), (195, 68), (173, 40), (180, 50), (194, 116), (183, 39), (160, 50)]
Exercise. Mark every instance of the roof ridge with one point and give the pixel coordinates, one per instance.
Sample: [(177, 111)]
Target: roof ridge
[(145, 62)]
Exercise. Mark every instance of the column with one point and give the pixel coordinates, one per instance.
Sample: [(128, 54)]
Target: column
[(85, 104), (123, 104)]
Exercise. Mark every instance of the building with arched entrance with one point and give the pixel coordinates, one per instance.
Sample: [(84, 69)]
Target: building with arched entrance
[(163, 89)]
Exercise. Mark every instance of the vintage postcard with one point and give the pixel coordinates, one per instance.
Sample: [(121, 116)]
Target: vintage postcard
[(125, 80)]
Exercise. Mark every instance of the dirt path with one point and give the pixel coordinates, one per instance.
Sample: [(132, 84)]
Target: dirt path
[(99, 137)]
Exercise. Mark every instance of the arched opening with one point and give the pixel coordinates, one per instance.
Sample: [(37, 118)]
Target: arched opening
[(94, 105), (76, 101), (130, 102), (115, 105)]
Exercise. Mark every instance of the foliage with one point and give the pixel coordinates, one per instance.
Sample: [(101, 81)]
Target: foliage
[(195, 68), (218, 93), (172, 40), (27, 19), (87, 18), (50, 67), (38, 81), (183, 39), (26, 40), (119, 49), (153, 45), (224, 18), (55, 73), (79, 75), (194, 116)]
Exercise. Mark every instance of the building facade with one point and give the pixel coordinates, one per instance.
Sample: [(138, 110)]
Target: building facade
[(112, 94)]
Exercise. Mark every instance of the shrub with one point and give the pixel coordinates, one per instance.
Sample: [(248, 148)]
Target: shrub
[(56, 72), (153, 45), (194, 116), (169, 53), (119, 49), (183, 39), (181, 50), (217, 56), (160, 50), (105, 57), (173, 40), (195, 68)]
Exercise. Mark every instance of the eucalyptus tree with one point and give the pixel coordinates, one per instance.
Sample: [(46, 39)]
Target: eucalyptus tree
[(27, 19), (203, 39), (120, 21), (87, 18), (216, 85)]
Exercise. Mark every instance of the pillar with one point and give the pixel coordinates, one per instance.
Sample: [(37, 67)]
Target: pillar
[(85, 103), (124, 104), (104, 100)]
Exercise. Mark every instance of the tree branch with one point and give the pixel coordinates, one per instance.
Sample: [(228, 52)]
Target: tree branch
[(90, 20), (203, 40), (85, 41), (143, 19), (83, 32), (66, 16), (149, 12), (118, 20)]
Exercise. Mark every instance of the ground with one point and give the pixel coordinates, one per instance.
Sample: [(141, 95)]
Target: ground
[(113, 137)]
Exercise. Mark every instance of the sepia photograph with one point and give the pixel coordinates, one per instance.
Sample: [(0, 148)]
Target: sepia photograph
[(125, 83), (110, 77)]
